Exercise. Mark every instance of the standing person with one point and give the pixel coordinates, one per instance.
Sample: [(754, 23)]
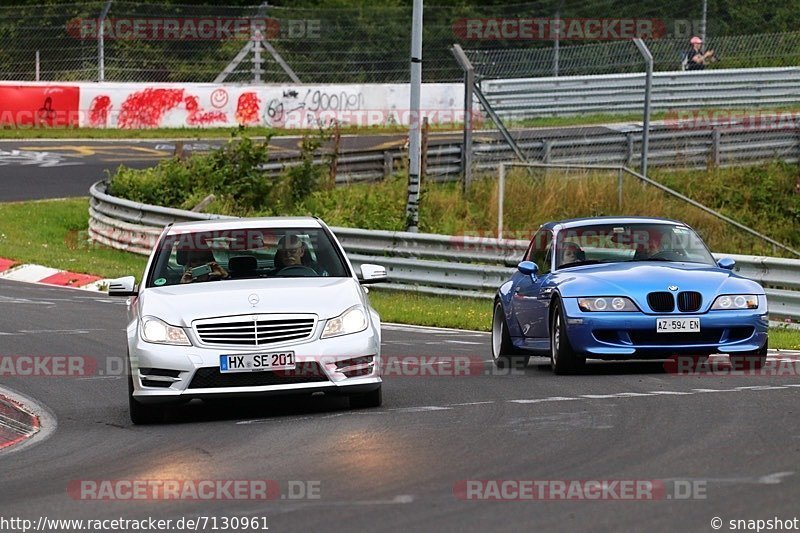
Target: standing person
[(696, 59)]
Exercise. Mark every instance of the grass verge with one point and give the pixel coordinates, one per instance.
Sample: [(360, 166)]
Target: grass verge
[(53, 233)]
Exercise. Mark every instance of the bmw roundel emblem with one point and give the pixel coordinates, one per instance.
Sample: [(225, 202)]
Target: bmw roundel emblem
[(673, 288)]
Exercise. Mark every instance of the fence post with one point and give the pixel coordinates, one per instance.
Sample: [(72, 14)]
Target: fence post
[(547, 146), (469, 84), (501, 185), (388, 164), (648, 85), (101, 46), (257, 39), (557, 43), (629, 153), (619, 190), (715, 146), (414, 141), (37, 65), (337, 141), (425, 137)]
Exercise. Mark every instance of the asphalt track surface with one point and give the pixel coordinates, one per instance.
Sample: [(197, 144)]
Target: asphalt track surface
[(38, 169), (395, 467)]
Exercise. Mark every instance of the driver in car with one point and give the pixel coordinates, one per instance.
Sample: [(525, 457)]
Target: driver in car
[(658, 241), (571, 253), (292, 252)]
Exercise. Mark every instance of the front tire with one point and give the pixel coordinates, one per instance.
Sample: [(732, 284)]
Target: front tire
[(504, 354), (367, 400), (563, 359), (750, 360)]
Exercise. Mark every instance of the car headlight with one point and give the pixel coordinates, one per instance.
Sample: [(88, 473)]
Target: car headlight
[(735, 301), (351, 321), (159, 332), (607, 303)]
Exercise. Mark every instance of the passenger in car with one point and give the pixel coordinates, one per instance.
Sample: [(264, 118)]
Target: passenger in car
[(191, 259)]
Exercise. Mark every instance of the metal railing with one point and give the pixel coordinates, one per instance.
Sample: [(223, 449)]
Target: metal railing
[(758, 88), (670, 146), (437, 264)]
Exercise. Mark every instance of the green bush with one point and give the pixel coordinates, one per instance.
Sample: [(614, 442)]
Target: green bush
[(762, 197), (231, 173)]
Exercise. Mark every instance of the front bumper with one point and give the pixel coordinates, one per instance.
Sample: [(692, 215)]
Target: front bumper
[(615, 335), (186, 372)]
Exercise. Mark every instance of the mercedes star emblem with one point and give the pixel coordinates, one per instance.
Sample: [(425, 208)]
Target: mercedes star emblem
[(253, 299)]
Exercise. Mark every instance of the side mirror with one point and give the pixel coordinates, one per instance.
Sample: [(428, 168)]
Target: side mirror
[(123, 287), (529, 268), (372, 274), (727, 263)]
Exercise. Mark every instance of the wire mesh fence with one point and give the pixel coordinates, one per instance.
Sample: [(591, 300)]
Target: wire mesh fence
[(165, 42), (736, 51)]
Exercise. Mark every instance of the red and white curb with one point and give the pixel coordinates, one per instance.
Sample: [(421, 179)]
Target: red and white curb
[(17, 423), (10, 269)]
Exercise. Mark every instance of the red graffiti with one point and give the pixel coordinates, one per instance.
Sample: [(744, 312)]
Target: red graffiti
[(247, 108), (199, 118), (191, 104), (43, 105), (98, 111), (145, 109)]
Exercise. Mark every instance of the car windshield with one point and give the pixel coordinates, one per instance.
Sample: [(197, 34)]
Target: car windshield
[(197, 257), (591, 244)]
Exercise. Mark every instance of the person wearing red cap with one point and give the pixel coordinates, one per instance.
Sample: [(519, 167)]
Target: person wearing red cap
[(696, 58)]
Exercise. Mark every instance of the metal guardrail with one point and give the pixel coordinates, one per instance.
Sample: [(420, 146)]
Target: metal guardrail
[(471, 266), (669, 146), (573, 95)]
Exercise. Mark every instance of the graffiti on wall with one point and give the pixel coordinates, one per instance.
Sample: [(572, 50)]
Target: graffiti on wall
[(39, 105), (136, 105), (308, 108)]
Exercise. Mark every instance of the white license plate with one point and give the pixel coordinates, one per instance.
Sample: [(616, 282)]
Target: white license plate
[(256, 362), (677, 325)]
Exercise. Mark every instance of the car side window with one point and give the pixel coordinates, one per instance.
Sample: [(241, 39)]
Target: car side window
[(539, 250)]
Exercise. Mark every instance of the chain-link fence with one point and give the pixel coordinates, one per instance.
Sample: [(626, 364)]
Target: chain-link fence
[(736, 51), (153, 42)]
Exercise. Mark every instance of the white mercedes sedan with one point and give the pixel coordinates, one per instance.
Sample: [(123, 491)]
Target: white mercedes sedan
[(250, 307)]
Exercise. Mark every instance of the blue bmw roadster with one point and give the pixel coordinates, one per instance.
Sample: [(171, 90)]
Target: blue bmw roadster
[(626, 288)]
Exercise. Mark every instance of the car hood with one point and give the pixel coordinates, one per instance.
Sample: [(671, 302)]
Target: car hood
[(636, 279), (180, 305)]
